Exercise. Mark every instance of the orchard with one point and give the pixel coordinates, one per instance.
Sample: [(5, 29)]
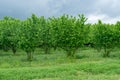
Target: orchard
[(66, 32)]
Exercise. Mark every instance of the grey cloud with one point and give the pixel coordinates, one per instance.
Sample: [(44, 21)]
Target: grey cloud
[(24, 8)]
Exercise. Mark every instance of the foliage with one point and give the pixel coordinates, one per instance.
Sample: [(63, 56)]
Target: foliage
[(104, 37), (9, 39), (69, 32), (66, 32), (28, 36)]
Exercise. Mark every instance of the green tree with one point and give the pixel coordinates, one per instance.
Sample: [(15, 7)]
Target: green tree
[(28, 39), (9, 39), (70, 34), (44, 35), (104, 37)]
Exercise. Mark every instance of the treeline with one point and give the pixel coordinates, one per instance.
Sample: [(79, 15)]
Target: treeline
[(66, 32)]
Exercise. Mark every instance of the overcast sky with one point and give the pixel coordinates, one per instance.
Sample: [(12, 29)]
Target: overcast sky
[(106, 10)]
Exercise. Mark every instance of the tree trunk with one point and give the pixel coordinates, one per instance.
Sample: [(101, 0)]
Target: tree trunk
[(71, 53), (29, 56), (14, 50), (55, 48), (47, 50), (106, 53)]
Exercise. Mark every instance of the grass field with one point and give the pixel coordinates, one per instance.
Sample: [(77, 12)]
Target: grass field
[(88, 65)]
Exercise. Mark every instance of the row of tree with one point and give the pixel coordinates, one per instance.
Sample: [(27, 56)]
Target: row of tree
[(67, 32)]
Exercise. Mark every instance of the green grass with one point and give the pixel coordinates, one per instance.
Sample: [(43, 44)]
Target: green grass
[(88, 65)]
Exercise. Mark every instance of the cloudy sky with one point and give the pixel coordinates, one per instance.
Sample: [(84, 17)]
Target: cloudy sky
[(106, 10)]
